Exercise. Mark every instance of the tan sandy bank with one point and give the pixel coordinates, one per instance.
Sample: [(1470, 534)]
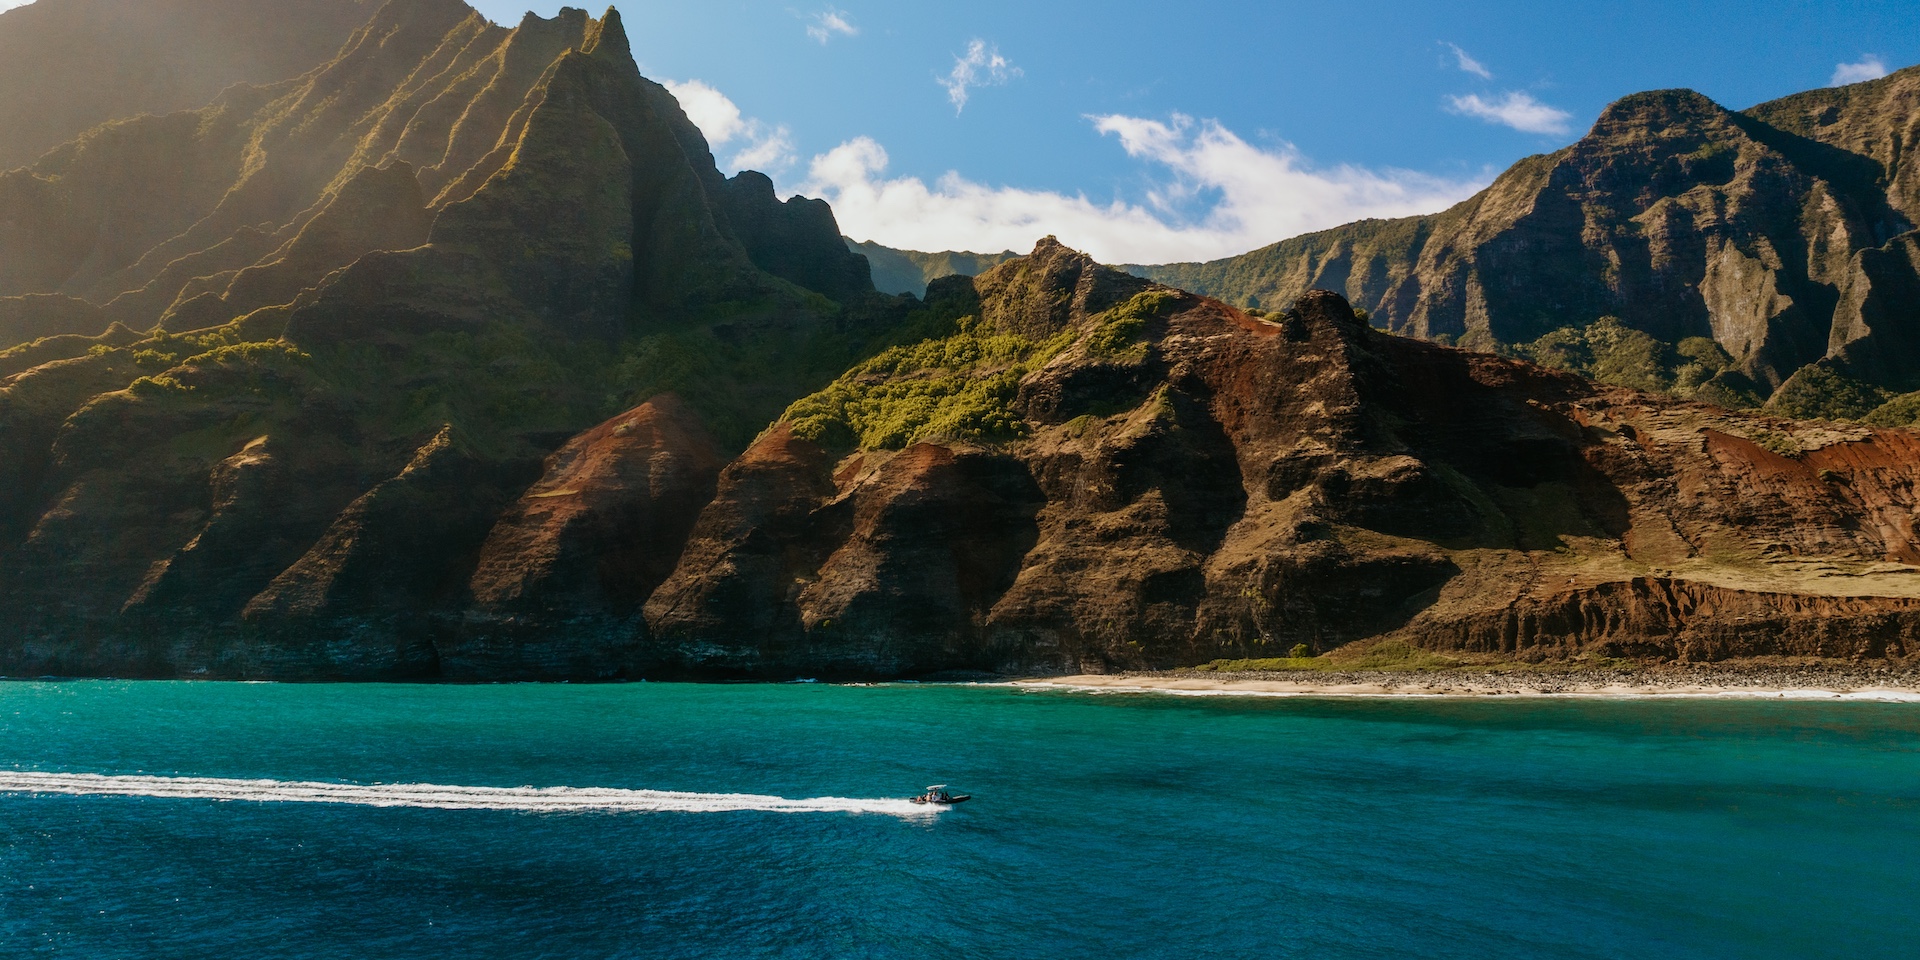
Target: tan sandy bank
[(1692, 684)]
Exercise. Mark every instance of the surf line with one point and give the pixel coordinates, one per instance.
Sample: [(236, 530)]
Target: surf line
[(440, 797)]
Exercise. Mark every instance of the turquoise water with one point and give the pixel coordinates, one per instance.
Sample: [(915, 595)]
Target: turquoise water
[(1103, 826)]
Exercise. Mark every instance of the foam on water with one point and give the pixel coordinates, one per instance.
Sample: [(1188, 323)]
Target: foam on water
[(443, 797)]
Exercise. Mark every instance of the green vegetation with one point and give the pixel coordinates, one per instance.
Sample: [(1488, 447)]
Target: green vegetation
[(1901, 411), (1396, 656), (960, 382), (957, 387), (156, 388), (1117, 338), (1820, 392), (1608, 351), (1779, 443), (909, 271), (1385, 655), (1697, 368)]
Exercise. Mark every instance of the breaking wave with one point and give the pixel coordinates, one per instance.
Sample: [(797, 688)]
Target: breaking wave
[(440, 797)]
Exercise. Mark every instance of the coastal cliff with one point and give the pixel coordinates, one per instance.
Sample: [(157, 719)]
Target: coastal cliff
[(456, 357), (1072, 470)]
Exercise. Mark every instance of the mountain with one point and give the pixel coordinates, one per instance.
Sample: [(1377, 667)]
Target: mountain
[(455, 357), (1084, 471), (1059, 467), (67, 66), (1783, 234), (294, 351), (909, 271)]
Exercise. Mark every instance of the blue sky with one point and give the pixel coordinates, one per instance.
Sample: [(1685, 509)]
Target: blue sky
[(1150, 132), (1161, 131)]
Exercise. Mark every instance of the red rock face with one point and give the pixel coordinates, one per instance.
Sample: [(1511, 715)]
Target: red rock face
[(1305, 480), (603, 526), (889, 565), (559, 582)]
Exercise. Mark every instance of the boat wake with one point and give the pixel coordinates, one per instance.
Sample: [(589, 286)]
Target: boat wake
[(439, 797)]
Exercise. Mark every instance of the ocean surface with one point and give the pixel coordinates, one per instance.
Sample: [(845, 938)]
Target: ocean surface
[(389, 822)]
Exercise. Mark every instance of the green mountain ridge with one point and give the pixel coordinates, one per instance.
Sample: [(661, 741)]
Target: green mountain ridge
[(910, 271)]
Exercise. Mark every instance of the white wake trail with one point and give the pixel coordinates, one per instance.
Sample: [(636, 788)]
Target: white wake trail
[(441, 797)]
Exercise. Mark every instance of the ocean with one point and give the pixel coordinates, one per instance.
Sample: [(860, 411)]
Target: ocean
[(212, 820)]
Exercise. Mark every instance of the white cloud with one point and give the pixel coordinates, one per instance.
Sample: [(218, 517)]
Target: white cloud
[(761, 146), (983, 66), (773, 151), (1239, 196), (709, 109), (828, 22), (1468, 64), (1869, 67), (1514, 109)]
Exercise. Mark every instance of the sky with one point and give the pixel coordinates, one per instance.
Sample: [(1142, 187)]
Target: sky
[(1156, 132)]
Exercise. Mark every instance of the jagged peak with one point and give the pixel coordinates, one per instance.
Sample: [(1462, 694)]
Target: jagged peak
[(607, 39), (1051, 288), (569, 21)]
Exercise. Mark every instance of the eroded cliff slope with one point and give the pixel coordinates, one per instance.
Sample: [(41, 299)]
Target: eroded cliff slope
[(1068, 468), (1146, 478)]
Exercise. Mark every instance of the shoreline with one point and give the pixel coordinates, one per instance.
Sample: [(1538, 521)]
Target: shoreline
[(1796, 683)]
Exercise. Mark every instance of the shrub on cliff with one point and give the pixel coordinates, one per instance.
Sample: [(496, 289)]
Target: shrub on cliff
[(1901, 411), (1821, 392), (1608, 351), (957, 387), (960, 382)]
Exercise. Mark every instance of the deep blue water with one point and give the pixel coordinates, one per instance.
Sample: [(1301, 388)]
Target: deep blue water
[(1103, 826)]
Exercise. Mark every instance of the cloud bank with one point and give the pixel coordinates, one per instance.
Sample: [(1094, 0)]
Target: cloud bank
[(983, 66), (1221, 196), (1514, 109), (758, 146), (1869, 67)]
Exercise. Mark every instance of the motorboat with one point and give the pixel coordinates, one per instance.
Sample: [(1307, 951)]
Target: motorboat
[(937, 794)]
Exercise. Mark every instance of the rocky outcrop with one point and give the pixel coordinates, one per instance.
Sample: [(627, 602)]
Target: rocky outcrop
[(562, 575), (1775, 231), (602, 527), (1664, 619), (796, 239), (1245, 485)]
